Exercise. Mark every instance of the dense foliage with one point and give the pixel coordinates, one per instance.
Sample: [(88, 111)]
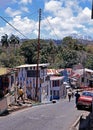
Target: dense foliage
[(66, 54)]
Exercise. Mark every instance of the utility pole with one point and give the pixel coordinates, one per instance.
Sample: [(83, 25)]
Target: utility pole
[(38, 52), (92, 11)]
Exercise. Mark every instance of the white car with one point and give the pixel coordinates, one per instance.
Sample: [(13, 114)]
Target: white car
[(68, 86)]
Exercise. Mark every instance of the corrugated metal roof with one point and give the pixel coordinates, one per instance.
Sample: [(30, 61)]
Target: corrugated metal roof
[(4, 71), (56, 77), (52, 72), (32, 65)]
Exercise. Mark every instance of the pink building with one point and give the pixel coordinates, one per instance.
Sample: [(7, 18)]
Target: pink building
[(57, 89)]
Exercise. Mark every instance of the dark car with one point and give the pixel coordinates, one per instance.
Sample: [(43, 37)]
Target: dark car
[(85, 100)]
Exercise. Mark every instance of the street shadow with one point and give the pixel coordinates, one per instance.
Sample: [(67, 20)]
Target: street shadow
[(85, 109), (84, 122), (5, 113)]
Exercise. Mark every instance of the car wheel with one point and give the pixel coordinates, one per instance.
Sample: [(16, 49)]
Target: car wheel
[(90, 108), (78, 107)]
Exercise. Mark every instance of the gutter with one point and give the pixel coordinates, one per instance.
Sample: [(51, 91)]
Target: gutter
[(82, 122), (76, 123)]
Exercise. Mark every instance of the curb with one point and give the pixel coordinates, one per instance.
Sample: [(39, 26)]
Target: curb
[(25, 106), (18, 108), (73, 127), (82, 122)]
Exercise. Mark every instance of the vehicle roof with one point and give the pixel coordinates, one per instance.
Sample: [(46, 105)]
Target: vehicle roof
[(87, 91)]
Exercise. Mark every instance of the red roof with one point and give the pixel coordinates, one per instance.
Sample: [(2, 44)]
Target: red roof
[(52, 72), (56, 77), (74, 75)]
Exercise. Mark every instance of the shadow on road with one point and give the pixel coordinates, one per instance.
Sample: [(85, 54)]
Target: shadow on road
[(5, 113), (84, 122)]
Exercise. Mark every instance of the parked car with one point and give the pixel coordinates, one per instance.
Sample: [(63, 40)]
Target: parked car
[(85, 100), (67, 85)]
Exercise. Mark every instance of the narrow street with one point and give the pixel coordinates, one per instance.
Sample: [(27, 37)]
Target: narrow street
[(57, 116)]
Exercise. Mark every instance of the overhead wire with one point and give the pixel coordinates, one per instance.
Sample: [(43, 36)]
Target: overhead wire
[(50, 26), (13, 27), (4, 19)]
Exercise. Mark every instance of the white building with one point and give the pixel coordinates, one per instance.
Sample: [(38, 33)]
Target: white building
[(27, 76), (57, 89), (82, 77)]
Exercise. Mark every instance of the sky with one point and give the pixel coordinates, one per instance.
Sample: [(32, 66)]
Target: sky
[(59, 18)]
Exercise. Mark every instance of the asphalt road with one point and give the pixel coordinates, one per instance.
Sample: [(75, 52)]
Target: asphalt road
[(57, 116)]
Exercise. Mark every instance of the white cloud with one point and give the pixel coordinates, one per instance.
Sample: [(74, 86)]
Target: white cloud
[(68, 17), (22, 1), (25, 9), (53, 6), (12, 12), (25, 1), (63, 17), (26, 26)]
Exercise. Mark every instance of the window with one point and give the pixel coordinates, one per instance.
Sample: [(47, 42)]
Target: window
[(56, 83), (82, 79), (56, 93)]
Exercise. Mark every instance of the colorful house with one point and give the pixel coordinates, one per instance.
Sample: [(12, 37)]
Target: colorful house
[(27, 77), (57, 89), (7, 94), (66, 73), (82, 77)]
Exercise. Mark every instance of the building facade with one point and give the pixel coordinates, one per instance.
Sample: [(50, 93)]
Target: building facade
[(27, 77), (57, 89)]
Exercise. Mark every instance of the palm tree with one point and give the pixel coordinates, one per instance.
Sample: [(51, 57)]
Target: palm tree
[(4, 40), (13, 41), (5, 43)]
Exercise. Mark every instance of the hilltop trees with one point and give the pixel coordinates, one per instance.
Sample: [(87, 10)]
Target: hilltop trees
[(67, 54), (10, 57), (64, 55)]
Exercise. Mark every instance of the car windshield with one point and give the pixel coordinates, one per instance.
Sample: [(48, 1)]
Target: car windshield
[(87, 94)]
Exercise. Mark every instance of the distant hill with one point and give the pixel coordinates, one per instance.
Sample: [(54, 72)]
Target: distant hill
[(84, 39)]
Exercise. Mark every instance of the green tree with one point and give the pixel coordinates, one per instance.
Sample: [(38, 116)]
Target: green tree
[(10, 58), (28, 49), (51, 52), (14, 40), (70, 57), (89, 61), (73, 44)]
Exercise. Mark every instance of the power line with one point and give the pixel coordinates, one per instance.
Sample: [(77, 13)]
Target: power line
[(3, 18), (13, 27), (51, 26), (22, 15)]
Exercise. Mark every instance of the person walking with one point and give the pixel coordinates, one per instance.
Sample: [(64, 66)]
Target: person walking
[(20, 94), (69, 95), (72, 94), (77, 95)]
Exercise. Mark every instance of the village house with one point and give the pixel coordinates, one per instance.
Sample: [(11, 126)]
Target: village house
[(57, 89), (27, 76), (82, 78), (7, 92), (66, 73)]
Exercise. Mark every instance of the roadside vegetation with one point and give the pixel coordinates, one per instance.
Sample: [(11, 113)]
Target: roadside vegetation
[(14, 52)]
